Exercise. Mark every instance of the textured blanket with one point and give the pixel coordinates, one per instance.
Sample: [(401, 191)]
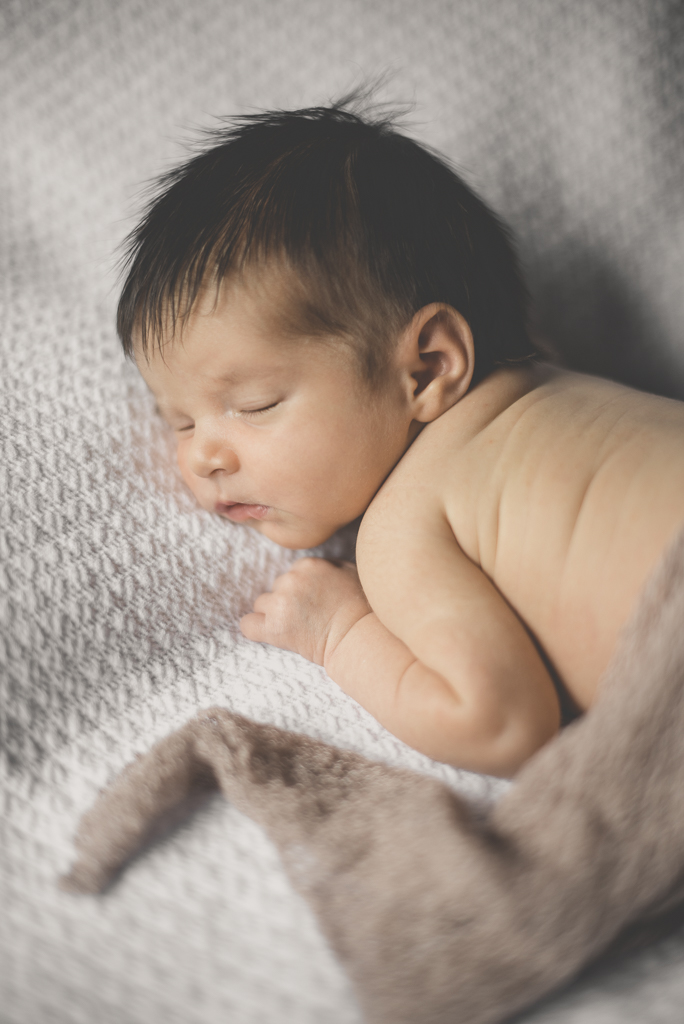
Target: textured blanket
[(119, 599)]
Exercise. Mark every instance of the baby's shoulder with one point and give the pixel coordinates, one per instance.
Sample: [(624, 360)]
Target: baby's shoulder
[(469, 436), (525, 434), (453, 451), (521, 411)]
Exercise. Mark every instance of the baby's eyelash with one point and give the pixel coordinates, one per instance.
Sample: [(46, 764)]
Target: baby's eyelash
[(255, 412)]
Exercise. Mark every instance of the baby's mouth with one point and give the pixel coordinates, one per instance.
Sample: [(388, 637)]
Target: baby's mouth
[(238, 511)]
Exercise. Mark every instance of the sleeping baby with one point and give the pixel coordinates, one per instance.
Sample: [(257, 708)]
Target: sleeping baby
[(334, 325)]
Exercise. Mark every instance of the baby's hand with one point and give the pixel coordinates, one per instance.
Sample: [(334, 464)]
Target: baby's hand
[(311, 608)]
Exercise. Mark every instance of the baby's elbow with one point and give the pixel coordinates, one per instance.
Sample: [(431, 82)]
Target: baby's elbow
[(499, 742), (516, 742), (493, 729)]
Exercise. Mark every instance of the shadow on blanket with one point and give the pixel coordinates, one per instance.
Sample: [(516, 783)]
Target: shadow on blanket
[(438, 915)]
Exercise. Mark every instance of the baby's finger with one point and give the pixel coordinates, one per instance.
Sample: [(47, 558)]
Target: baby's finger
[(262, 602), (253, 625), (283, 582), (310, 563)]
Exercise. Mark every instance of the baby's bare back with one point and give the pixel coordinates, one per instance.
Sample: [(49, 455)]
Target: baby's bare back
[(564, 489)]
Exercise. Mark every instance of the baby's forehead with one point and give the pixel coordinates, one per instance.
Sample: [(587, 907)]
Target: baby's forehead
[(243, 333)]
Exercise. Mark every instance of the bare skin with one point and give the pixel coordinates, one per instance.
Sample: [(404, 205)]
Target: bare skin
[(532, 505), (542, 491)]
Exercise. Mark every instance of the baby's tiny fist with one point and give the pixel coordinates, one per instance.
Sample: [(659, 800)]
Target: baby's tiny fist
[(310, 608)]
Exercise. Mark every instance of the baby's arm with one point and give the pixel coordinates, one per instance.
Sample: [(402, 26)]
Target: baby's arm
[(464, 684)]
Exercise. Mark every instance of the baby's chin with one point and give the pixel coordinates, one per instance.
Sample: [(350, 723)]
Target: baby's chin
[(296, 536)]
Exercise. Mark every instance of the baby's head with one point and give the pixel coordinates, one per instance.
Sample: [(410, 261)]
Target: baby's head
[(302, 297)]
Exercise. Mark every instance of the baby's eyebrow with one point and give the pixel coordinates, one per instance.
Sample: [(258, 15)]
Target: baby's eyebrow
[(167, 413), (240, 376)]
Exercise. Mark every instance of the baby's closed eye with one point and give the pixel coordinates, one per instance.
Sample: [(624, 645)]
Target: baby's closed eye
[(257, 412)]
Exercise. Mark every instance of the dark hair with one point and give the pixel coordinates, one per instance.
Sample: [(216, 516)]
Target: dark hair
[(371, 226)]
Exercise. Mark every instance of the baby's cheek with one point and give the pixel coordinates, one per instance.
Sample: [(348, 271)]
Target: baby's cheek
[(185, 472), (181, 460), (193, 482)]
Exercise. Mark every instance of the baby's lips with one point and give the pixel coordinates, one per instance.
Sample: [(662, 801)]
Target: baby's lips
[(238, 511)]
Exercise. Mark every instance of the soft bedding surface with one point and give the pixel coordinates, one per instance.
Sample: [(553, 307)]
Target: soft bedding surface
[(119, 598)]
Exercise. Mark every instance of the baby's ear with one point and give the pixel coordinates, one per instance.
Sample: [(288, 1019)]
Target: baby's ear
[(440, 358)]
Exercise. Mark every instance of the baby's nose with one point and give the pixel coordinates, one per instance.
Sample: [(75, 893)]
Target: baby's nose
[(211, 455)]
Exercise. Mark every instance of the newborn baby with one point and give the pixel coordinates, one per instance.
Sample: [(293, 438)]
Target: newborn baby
[(334, 326)]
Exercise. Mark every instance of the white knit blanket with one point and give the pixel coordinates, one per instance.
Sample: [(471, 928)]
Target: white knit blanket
[(119, 597)]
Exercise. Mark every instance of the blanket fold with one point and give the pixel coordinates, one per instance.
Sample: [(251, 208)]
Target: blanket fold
[(438, 915)]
